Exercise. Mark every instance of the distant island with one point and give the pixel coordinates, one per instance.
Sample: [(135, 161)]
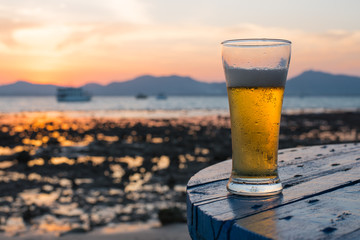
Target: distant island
[(314, 83), (309, 83)]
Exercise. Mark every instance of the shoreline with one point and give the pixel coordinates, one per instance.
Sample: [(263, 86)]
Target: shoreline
[(161, 114), (111, 114), (62, 174), (175, 231)]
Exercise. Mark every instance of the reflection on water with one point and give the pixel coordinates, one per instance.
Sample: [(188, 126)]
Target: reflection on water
[(34, 196), (5, 151), (6, 164), (137, 180), (61, 160), (59, 174), (161, 163), (130, 161), (37, 161)]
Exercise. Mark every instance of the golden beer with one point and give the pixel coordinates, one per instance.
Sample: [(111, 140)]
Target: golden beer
[(255, 120), (255, 72)]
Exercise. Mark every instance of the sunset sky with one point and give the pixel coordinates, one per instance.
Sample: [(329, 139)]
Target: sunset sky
[(72, 42)]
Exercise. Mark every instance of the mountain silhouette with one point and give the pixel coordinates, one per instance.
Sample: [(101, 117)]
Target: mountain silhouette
[(309, 83), (313, 83), (171, 85), (150, 85), (23, 88)]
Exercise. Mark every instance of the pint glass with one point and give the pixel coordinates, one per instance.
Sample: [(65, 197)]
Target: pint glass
[(255, 71)]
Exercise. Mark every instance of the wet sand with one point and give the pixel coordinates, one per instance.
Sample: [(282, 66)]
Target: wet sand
[(173, 232), (72, 174)]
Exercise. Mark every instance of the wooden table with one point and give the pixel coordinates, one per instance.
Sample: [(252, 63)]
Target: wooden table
[(320, 200)]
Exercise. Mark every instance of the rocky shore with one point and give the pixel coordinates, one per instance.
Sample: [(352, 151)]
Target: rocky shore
[(60, 174)]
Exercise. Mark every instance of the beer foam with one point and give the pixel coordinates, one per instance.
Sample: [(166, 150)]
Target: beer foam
[(240, 77)]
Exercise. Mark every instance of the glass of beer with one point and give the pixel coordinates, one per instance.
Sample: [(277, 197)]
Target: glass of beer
[(255, 71)]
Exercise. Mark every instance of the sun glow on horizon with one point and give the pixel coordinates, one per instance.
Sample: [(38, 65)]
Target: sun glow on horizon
[(74, 44)]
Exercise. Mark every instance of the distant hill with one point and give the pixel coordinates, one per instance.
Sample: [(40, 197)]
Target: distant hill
[(309, 83), (22, 88), (313, 83), (150, 85)]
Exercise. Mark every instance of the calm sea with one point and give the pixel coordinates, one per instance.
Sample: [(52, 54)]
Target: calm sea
[(32, 104)]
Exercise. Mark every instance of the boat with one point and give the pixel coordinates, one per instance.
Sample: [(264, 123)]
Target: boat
[(69, 94), (141, 96), (161, 96)]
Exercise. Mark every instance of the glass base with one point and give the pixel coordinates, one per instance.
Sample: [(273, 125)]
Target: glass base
[(254, 187)]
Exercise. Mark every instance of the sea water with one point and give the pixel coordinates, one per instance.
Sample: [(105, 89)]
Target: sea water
[(172, 103)]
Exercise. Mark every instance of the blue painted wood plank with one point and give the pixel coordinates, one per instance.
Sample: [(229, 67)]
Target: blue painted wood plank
[(290, 175), (306, 172), (329, 215), (352, 235), (291, 156), (215, 172), (235, 207), (300, 191)]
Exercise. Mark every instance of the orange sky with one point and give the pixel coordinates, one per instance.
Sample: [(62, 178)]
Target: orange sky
[(71, 43)]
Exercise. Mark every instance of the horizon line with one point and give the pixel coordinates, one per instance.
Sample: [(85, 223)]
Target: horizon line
[(161, 76)]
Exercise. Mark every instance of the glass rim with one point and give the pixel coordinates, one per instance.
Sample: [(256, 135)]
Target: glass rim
[(256, 42)]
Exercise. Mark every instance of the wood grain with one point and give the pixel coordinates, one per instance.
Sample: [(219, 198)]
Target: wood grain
[(312, 174)]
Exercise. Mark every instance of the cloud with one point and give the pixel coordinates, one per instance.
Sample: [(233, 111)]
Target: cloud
[(70, 22), (333, 50), (87, 31), (68, 11), (85, 49), (7, 29)]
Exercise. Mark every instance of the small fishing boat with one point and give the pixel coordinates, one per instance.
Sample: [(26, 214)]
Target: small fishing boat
[(141, 96), (67, 94), (161, 96)]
